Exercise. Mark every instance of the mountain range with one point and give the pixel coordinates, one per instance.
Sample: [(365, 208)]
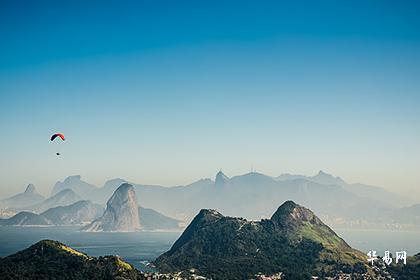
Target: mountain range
[(121, 214), (62, 198), (255, 196), (80, 212), (74, 183), (293, 244), (26, 219), (362, 190)]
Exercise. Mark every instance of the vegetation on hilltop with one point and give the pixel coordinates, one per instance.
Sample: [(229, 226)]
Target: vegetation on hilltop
[(294, 241), (49, 259)]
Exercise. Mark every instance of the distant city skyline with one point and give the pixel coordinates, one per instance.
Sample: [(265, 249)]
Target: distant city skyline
[(168, 93)]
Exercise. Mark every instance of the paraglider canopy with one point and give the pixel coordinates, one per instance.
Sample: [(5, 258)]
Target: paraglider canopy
[(61, 135), (58, 135)]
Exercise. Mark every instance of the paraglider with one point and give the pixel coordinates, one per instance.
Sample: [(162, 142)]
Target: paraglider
[(58, 135), (54, 136)]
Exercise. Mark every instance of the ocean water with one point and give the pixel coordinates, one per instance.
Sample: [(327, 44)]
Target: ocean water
[(382, 240), (140, 247)]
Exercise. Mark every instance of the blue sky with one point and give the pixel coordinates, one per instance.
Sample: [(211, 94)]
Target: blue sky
[(169, 92)]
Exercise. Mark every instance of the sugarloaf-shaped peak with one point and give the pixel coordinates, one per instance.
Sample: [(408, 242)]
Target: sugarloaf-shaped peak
[(30, 189), (291, 215), (122, 193), (221, 179), (121, 213)]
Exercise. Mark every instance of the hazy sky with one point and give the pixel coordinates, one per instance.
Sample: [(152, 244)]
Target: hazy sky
[(170, 92)]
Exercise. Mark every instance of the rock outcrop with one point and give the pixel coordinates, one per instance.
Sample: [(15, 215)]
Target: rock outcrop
[(121, 213)]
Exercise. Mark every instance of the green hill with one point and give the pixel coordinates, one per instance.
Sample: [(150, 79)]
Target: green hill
[(294, 241), (49, 259)]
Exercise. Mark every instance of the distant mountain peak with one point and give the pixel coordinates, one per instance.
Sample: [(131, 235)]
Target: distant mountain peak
[(221, 179), (63, 198), (75, 183), (112, 182), (80, 212), (203, 180), (22, 200), (121, 213), (327, 179), (73, 178), (289, 177), (324, 174), (320, 172), (30, 189)]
